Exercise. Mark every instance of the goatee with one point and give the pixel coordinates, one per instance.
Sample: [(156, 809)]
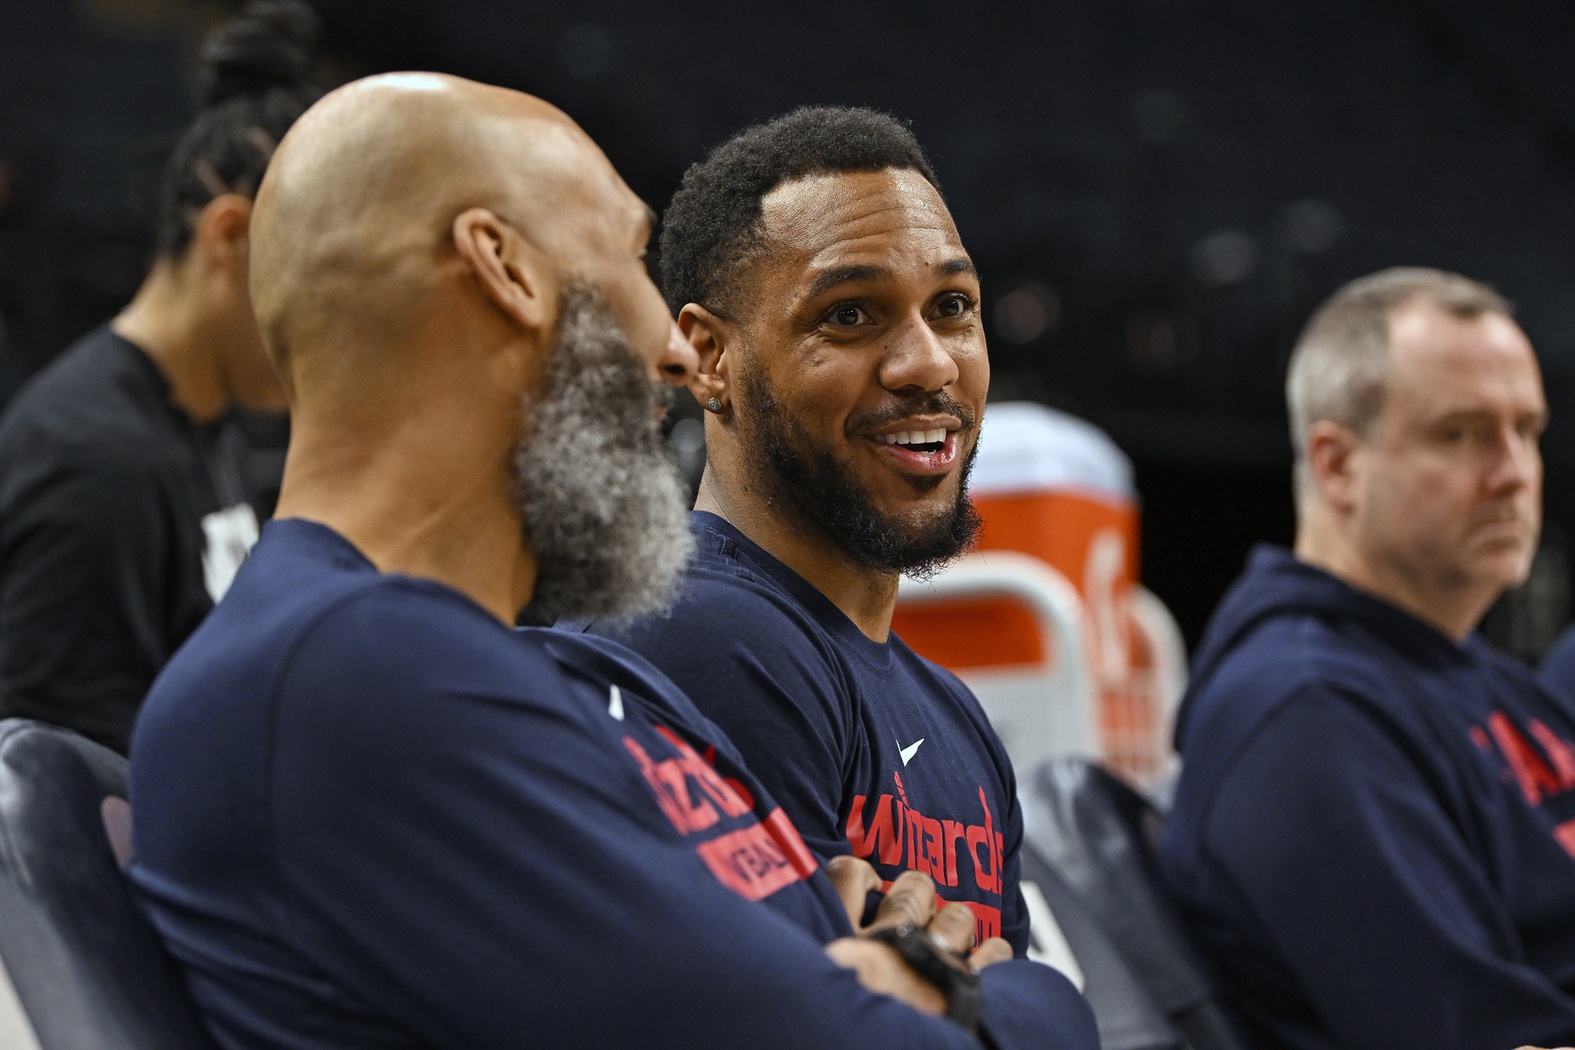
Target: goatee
[(825, 490)]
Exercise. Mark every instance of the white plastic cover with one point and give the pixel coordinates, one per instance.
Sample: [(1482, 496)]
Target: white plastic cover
[(1026, 447)]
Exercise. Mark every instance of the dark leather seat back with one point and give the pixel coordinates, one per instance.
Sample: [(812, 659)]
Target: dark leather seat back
[(1099, 836), (89, 969), (1126, 1013)]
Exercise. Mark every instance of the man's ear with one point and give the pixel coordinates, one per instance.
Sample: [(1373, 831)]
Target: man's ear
[(220, 234), (708, 334), (509, 271), (1334, 461)]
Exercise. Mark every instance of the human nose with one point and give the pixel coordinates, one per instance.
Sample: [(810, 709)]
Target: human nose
[(916, 357), (1517, 464), (679, 361)]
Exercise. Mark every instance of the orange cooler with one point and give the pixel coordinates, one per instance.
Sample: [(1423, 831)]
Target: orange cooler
[(1056, 487)]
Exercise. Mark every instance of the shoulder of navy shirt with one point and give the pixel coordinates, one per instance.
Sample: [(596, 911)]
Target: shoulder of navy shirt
[(367, 813)]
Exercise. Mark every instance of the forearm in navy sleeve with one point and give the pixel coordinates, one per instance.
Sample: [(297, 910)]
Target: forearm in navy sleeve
[(505, 875), (1020, 995)]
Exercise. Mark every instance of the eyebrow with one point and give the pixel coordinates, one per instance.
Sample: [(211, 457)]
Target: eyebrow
[(825, 282), (839, 275), (953, 267), (1479, 415)]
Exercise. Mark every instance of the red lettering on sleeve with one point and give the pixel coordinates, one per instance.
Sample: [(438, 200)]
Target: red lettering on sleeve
[(705, 774), (1530, 769), (787, 837), (737, 785), (749, 862), (1559, 754), (675, 811), (1564, 834)]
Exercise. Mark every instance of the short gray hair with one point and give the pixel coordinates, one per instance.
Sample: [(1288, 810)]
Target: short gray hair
[(1340, 365)]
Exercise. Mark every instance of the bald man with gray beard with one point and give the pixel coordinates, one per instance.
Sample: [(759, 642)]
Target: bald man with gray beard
[(367, 811)]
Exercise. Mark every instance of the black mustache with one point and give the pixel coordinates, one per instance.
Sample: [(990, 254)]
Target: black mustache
[(937, 404)]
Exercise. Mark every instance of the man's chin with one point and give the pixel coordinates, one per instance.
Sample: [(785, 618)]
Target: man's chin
[(1504, 566), (919, 498)]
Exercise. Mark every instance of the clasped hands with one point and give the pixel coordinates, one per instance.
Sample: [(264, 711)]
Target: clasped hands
[(911, 899)]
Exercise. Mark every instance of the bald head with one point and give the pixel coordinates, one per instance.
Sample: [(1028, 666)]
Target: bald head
[(451, 280), (355, 224)]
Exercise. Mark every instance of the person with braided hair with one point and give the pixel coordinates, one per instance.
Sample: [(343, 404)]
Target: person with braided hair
[(122, 518)]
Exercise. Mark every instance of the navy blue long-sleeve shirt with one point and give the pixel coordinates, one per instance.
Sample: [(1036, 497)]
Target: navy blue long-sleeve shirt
[(367, 814), (1374, 826), (871, 749)]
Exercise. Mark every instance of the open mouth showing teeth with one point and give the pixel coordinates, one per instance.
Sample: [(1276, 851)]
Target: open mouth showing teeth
[(917, 440)]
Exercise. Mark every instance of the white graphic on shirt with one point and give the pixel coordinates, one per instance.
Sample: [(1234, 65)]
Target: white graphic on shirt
[(909, 751), (615, 704), (230, 534)]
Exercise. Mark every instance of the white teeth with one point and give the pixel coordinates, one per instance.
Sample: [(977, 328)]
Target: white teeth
[(914, 437)]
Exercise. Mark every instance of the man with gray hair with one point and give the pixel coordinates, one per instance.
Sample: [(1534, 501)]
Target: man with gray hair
[(1374, 828)]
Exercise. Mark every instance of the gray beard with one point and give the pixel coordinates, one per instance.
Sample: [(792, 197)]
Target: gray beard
[(604, 507)]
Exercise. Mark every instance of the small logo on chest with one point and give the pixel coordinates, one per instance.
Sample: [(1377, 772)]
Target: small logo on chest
[(908, 752)]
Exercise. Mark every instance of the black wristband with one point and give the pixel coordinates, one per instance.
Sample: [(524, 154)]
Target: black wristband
[(949, 973)]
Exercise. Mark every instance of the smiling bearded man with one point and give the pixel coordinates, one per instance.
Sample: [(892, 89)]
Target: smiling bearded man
[(818, 274)]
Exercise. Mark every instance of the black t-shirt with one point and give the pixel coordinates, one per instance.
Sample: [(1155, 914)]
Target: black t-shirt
[(114, 537)]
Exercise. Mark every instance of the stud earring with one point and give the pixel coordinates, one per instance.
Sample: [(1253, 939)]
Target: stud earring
[(713, 405)]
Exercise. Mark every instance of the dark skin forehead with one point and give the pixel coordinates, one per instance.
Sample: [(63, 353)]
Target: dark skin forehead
[(826, 230)]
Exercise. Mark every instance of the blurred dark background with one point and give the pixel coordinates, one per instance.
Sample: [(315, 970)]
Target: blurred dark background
[(1156, 191)]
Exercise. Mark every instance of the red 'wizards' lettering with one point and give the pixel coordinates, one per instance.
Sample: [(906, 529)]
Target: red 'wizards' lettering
[(897, 833), (881, 838), (989, 882)]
